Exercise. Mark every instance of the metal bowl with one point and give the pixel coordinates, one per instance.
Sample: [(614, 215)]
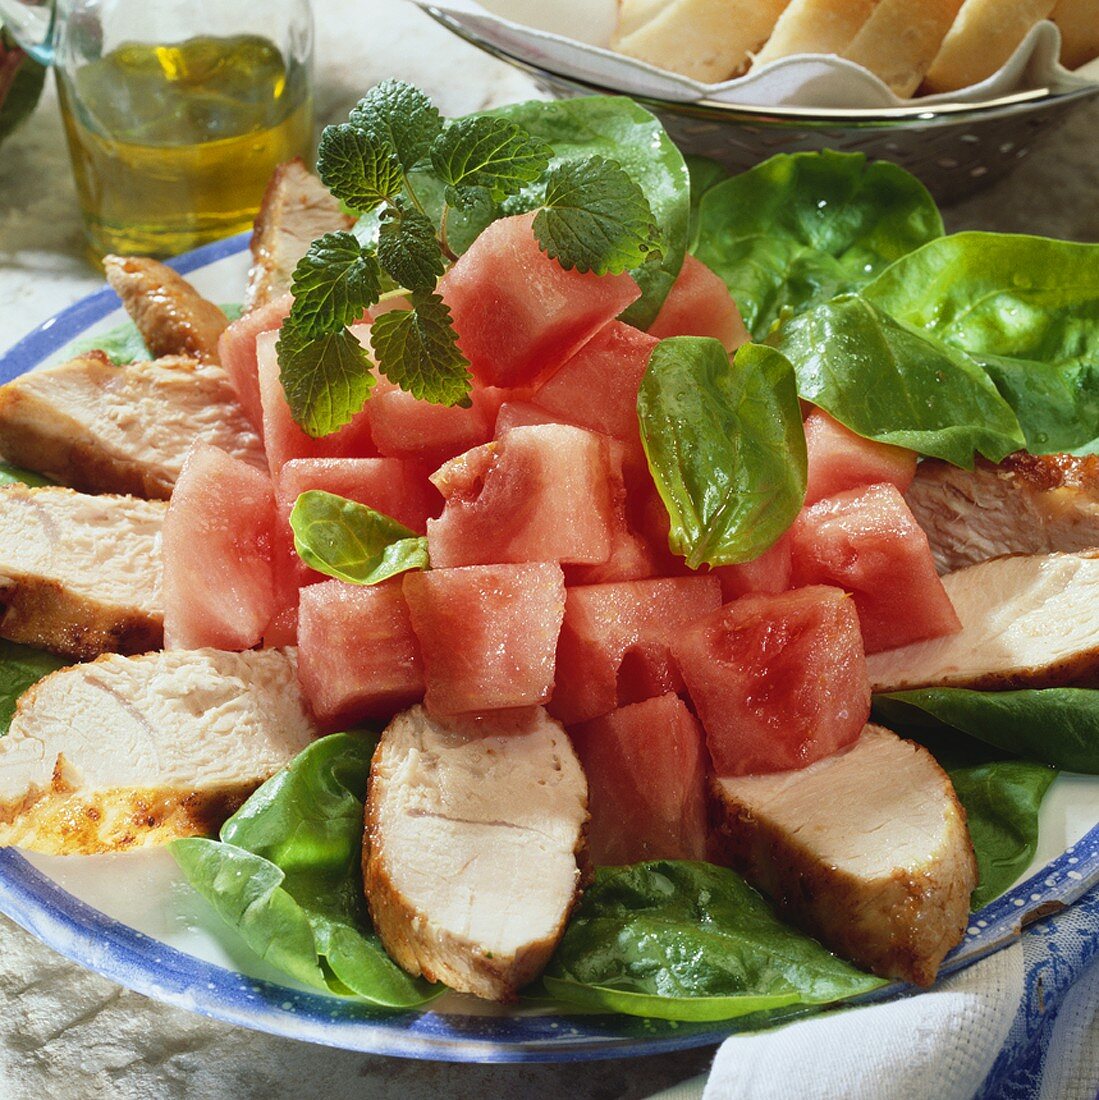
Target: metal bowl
[(954, 148)]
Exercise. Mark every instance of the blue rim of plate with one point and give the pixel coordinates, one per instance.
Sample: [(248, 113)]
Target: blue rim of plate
[(98, 942)]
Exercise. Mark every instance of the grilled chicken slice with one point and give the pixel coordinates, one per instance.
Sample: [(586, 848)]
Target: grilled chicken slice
[(474, 846), (1027, 504), (296, 209), (106, 429), (80, 575), (867, 850), (128, 752), (1028, 621), (172, 317)]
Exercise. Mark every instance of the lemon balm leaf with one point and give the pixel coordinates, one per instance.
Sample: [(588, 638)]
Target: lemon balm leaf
[(357, 168), (407, 247), (490, 153), (401, 116), (334, 282)]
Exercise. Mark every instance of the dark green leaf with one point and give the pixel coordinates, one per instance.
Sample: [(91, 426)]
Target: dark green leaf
[(20, 668), (888, 382), (123, 344), (347, 540), (800, 228), (402, 116), (407, 247), (15, 475), (418, 350), (492, 153), (690, 941), (334, 283), (326, 379), (595, 217), (358, 169), (705, 175), (725, 446)]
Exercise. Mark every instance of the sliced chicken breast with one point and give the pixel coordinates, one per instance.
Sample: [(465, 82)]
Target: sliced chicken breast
[(172, 317), (80, 575), (1028, 621), (296, 209), (474, 846), (128, 752), (867, 850), (1027, 504), (106, 429)]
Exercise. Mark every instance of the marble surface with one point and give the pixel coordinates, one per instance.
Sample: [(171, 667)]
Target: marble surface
[(68, 1033)]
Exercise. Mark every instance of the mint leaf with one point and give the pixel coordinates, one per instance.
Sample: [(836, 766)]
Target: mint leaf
[(334, 282), (326, 378), (358, 168), (352, 542), (402, 117), (407, 247), (418, 350), (595, 218), (490, 153)]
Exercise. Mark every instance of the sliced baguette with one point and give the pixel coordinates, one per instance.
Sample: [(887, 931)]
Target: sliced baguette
[(1078, 21), (815, 26)]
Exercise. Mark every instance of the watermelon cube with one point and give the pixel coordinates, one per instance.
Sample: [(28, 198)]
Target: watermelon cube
[(237, 353), (868, 541), (771, 572), (543, 493), (840, 460), (219, 574), (358, 657), (646, 767), (615, 642), (699, 304), (778, 681), (522, 414), (519, 314), (488, 634)]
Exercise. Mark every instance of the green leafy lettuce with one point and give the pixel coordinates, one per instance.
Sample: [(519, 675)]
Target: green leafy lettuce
[(285, 874), (15, 475)]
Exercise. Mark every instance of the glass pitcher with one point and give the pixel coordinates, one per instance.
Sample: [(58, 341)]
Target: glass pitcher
[(176, 111)]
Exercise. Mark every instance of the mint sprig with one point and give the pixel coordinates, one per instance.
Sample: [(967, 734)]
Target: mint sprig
[(492, 154), (333, 284), (400, 116), (357, 168), (407, 247)]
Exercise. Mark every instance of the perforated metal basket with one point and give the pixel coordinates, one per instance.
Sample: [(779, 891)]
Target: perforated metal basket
[(955, 149)]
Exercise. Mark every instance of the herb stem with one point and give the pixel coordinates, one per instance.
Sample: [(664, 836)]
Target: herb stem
[(443, 243)]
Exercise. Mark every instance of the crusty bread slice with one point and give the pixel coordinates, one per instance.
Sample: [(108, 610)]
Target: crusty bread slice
[(985, 34), (634, 14), (815, 26), (707, 40), (1079, 24), (900, 40)]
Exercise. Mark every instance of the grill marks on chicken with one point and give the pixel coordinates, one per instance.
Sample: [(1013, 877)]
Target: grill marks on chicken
[(80, 575), (474, 846), (98, 427), (127, 752)]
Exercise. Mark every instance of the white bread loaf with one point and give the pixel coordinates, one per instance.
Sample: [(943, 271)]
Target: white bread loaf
[(815, 26), (1079, 24)]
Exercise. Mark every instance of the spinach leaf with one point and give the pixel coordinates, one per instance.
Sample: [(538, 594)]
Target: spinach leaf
[(20, 668), (1058, 726), (690, 941), (15, 475), (800, 228), (890, 382), (705, 174), (725, 446), (1026, 308), (122, 344), (350, 541), (286, 874)]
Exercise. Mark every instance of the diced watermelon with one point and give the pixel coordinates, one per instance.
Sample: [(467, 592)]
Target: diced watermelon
[(488, 634), (282, 438), (778, 681), (699, 304), (282, 630), (840, 460), (519, 315), (868, 541), (646, 768), (237, 353), (771, 572), (542, 493), (523, 414), (357, 655), (614, 646), (219, 579)]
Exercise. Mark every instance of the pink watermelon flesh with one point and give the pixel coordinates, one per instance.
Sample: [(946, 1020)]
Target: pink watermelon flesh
[(840, 460), (358, 658), (699, 304), (488, 634), (219, 576), (237, 353), (519, 315), (868, 542), (771, 572), (541, 493), (524, 414), (778, 681), (615, 639), (646, 767)]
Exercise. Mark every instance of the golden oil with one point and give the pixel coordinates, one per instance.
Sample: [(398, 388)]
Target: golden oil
[(173, 145)]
